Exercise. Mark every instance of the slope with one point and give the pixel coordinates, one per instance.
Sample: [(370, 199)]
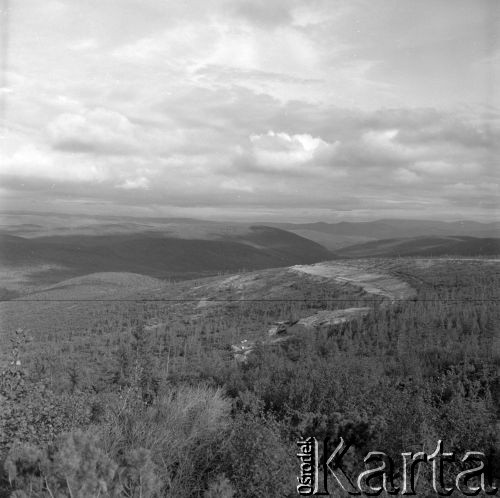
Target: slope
[(54, 258), (424, 246)]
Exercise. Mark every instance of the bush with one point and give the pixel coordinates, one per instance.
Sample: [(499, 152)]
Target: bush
[(137, 476), (220, 487), (259, 461), (182, 431), (74, 466)]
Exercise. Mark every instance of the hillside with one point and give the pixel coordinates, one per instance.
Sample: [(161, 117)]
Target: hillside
[(54, 258), (266, 355), (335, 236), (82, 303), (394, 228), (331, 241), (41, 249), (424, 246)]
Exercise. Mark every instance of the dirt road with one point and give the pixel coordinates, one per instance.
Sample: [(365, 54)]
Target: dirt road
[(371, 281)]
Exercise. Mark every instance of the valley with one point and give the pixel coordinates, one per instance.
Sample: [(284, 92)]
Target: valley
[(384, 351)]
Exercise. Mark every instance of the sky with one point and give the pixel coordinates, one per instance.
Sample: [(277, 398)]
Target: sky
[(283, 110)]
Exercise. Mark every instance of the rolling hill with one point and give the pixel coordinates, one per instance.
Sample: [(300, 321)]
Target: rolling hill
[(424, 246), (54, 258), (395, 228), (40, 249), (335, 236)]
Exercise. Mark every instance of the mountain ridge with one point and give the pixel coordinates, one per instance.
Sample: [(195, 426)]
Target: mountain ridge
[(157, 255), (456, 245)]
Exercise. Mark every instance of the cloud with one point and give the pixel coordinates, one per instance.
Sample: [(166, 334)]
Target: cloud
[(262, 12), (352, 159), (448, 169), (236, 185), (100, 131), (283, 152), (405, 176), (242, 105), (381, 145), (480, 195), (84, 44), (141, 183), (34, 162)]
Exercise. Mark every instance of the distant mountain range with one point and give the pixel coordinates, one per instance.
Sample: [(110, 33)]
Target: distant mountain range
[(389, 238), (338, 235), (157, 255), (424, 246), (45, 248), (42, 224)]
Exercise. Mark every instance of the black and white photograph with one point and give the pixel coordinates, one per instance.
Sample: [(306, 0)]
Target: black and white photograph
[(249, 248)]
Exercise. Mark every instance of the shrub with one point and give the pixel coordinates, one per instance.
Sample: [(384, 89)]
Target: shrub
[(220, 487), (137, 476), (74, 466), (259, 461), (182, 431), (31, 412)]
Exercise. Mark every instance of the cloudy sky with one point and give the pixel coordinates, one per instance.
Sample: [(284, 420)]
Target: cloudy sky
[(251, 109)]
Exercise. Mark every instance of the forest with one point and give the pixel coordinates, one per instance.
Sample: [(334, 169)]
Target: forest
[(125, 409)]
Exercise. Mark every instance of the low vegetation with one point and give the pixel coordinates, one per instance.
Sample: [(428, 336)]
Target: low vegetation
[(143, 404)]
